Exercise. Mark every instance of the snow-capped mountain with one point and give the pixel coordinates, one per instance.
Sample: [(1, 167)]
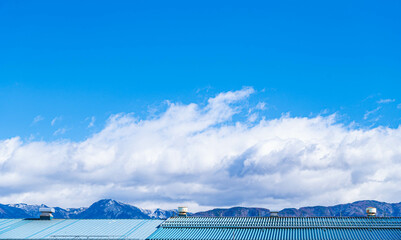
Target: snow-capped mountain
[(160, 213), (108, 208), (111, 209), (31, 210)]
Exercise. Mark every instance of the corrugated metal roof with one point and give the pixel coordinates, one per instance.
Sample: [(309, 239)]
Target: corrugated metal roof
[(280, 222), (77, 228), (276, 234), (197, 228), (279, 228)]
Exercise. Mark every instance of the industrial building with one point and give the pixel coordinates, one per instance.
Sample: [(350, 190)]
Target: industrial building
[(197, 228), (279, 228), (77, 228)]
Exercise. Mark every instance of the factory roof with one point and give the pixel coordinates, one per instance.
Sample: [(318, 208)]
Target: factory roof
[(283, 222), (77, 228), (285, 228), (206, 228)]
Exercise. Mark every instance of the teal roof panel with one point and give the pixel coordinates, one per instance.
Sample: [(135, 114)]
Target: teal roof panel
[(276, 234), (278, 228), (280, 222), (77, 228)]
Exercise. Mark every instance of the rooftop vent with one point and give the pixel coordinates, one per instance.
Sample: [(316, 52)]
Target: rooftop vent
[(371, 211), (274, 214), (182, 211), (46, 213)]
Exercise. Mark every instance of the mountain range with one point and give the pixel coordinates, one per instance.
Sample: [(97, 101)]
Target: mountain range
[(111, 209)]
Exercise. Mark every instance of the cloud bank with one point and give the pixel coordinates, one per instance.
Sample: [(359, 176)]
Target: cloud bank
[(201, 156)]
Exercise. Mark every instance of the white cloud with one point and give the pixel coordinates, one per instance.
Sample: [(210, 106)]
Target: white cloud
[(261, 106), (399, 106), (201, 157), (92, 122), (55, 120), (381, 101), (59, 131), (37, 119), (253, 117), (369, 113)]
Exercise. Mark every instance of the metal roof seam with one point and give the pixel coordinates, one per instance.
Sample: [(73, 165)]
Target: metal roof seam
[(46, 228)]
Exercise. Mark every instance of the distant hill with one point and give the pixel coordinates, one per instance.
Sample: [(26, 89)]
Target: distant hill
[(234, 212), (103, 209), (355, 209), (7, 211), (111, 209), (108, 208)]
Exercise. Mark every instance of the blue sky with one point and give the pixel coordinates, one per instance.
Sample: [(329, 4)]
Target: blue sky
[(68, 67), (76, 60)]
